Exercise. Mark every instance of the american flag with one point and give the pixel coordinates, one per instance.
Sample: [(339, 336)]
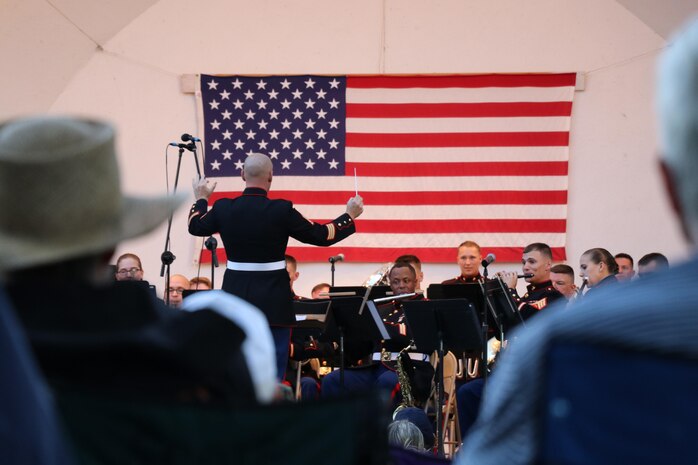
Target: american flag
[(439, 159)]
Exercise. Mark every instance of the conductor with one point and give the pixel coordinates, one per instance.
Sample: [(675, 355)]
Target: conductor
[(255, 232)]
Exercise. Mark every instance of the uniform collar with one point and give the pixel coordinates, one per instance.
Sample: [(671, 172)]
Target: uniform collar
[(470, 279), (543, 285), (255, 191)]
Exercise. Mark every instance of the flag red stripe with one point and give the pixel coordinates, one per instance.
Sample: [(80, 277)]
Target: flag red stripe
[(427, 255), (456, 226), (417, 198), (458, 110), (459, 139), (524, 168), (481, 80)]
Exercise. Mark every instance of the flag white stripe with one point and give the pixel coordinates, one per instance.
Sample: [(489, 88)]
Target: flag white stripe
[(439, 212), (456, 125), (461, 95), (456, 154), (446, 240), (408, 184)]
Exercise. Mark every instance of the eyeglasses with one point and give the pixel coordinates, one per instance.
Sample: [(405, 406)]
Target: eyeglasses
[(124, 271), (175, 290)]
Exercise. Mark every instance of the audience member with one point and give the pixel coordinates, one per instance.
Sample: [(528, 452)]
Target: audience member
[(421, 420), (319, 290), (200, 283), (129, 268), (510, 428), (469, 259), (651, 263), (625, 267), (405, 434), (31, 433), (85, 332), (562, 277)]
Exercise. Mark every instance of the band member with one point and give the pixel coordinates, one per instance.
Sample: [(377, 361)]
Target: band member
[(129, 268), (651, 263), (469, 259), (255, 231), (562, 277), (380, 370), (320, 291), (293, 273), (416, 264), (178, 284), (537, 260), (598, 267), (626, 270)]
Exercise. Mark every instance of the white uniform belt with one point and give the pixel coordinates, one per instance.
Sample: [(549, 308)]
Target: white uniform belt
[(383, 356), (269, 266)]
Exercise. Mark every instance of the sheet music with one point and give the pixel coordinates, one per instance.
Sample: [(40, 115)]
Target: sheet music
[(377, 319)]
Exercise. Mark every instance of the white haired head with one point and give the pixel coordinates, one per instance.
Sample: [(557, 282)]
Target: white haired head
[(677, 100)]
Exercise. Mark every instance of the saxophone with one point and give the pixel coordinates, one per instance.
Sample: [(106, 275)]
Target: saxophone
[(404, 379)]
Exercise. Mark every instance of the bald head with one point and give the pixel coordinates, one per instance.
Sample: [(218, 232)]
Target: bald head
[(257, 171)]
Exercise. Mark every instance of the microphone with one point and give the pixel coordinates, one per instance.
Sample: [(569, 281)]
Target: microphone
[(212, 244), (336, 258), (188, 137), (488, 260), (190, 146)]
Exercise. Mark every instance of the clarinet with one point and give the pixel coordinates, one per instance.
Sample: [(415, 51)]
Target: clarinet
[(580, 292)]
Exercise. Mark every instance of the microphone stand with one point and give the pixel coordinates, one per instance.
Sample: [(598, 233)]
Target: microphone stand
[(483, 316), (167, 257), (332, 260), (212, 244)]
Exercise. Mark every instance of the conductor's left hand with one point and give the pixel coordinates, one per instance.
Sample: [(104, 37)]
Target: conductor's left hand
[(202, 188), (355, 206)]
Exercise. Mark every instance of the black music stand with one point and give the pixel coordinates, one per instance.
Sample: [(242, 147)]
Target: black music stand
[(346, 320), (187, 292), (310, 323), (474, 293), (377, 292), (441, 325), (502, 304), (142, 283), (311, 309)]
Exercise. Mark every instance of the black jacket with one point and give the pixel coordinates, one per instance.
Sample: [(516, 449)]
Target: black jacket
[(256, 229)]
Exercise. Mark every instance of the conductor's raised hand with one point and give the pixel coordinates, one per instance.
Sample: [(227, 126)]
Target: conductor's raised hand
[(355, 206), (202, 187)]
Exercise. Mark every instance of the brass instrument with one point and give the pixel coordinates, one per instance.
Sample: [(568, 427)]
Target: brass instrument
[(380, 277), (494, 346)]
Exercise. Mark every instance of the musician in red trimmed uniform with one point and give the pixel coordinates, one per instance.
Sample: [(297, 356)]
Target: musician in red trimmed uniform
[(469, 259), (379, 370), (255, 232), (537, 260)]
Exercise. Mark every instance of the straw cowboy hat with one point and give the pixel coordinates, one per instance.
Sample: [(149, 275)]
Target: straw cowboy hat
[(60, 193)]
